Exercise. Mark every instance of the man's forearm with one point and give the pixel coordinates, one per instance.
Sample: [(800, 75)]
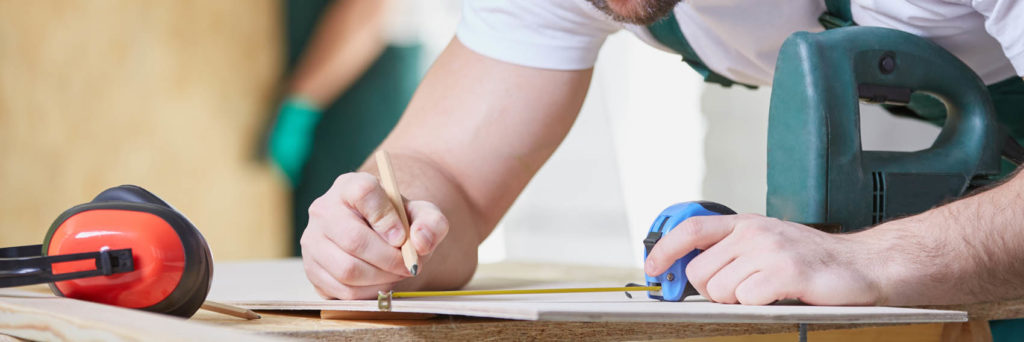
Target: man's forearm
[(966, 251), (464, 149)]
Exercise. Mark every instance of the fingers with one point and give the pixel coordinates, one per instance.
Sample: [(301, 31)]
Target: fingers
[(349, 270), (732, 256), (328, 288), (350, 247), (760, 289), (708, 263), (362, 191), (698, 232), (428, 226), (722, 286), (752, 259), (349, 234), (322, 282)]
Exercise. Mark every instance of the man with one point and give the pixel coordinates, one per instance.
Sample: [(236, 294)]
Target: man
[(351, 74), (505, 92)]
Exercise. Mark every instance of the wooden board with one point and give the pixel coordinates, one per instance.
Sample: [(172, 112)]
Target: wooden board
[(281, 285), (308, 325), (37, 316), (588, 308)]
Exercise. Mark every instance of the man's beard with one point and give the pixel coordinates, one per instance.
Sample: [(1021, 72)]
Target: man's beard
[(640, 12)]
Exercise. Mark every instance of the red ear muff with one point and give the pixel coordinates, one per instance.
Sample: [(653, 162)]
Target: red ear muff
[(170, 265)]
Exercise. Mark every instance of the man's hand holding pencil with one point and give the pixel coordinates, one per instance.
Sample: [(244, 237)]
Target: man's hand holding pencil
[(353, 254)]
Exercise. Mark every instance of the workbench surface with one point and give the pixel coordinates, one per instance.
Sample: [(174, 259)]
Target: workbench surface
[(308, 324), (37, 314)]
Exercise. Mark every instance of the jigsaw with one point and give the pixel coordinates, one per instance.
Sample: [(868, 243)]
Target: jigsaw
[(818, 172)]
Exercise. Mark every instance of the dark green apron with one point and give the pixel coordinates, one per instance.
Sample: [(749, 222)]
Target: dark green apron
[(1007, 97), (354, 124)]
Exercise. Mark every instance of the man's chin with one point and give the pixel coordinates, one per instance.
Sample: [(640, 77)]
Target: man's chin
[(640, 12)]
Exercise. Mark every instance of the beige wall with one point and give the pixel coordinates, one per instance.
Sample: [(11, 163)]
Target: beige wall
[(167, 94)]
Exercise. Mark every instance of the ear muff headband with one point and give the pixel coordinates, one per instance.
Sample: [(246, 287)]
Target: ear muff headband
[(130, 193)]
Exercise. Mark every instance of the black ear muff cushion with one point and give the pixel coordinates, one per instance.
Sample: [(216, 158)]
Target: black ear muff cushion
[(196, 279), (194, 285), (129, 193)]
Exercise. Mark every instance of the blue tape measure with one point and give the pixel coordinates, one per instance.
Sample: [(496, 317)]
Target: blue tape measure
[(673, 282)]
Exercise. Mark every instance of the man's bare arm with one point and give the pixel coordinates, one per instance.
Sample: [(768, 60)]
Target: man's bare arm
[(970, 250), (476, 131)]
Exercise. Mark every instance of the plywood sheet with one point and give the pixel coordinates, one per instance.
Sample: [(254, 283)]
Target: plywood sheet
[(282, 285)]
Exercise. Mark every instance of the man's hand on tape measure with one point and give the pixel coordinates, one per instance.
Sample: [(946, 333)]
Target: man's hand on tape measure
[(752, 259), (351, 247)]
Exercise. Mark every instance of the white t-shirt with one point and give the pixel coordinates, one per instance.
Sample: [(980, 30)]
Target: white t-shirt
[(740, 39)]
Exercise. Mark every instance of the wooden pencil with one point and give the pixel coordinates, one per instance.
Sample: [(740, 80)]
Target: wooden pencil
[(230, 310), (387, 180)]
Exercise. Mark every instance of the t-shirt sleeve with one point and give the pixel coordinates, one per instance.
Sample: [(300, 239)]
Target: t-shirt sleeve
[(549, 34), (1004, 20)]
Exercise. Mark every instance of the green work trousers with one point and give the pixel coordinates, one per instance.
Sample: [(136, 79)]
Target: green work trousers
[(353, 125)]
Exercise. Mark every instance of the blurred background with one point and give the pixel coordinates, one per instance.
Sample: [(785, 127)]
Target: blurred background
[(181, 97)]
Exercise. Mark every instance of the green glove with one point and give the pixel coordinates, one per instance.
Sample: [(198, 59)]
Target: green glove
[(292, 136)]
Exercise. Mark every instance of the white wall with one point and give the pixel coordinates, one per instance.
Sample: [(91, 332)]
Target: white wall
[(635, 149), (639, 145)]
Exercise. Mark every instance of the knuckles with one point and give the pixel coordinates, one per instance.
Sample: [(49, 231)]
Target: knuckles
[(437, 223), (693, 226), (428, 219), (353, 179), (319, 208), (354, 244), (305, 242), (761, 228), (773, 242), (787, 266), (719, 293), (358, 186), (355, 187), (346, 271)]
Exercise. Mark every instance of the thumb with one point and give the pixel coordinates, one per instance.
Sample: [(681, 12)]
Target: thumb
[(427, 227)]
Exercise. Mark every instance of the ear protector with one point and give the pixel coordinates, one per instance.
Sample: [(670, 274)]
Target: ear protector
[(127, 247)]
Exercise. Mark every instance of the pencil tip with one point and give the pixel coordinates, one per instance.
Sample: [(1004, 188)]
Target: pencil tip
[(413, 269)]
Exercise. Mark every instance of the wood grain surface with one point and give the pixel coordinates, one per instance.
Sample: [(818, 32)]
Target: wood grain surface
[(308, 325), (44, 317)]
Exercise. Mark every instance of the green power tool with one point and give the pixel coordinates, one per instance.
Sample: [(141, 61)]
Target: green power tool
[(818, 173)]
